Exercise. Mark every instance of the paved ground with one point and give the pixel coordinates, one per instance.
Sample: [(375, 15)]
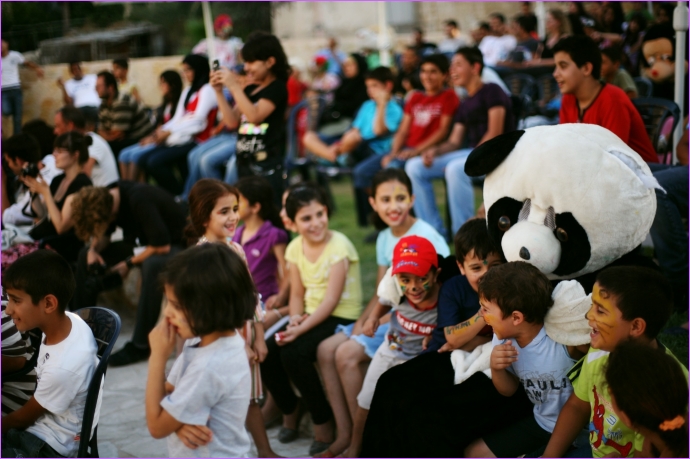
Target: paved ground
[(122, 430)]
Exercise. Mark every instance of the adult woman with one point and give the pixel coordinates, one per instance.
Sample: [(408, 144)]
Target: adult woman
[(350, 95), (557, 26), (192, 123), (71, 153), (170, 85)]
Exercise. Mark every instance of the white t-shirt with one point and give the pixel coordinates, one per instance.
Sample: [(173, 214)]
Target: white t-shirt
[(450, 45), (212, 388), (14, 214), (227, 51), (104, 172), (10, 69), (496, 49), (83, 92), (64, 371)]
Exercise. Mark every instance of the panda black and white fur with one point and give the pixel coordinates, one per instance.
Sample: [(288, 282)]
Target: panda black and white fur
[(570, 199)]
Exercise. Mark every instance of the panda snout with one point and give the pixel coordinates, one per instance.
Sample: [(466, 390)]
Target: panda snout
[(524, 253)]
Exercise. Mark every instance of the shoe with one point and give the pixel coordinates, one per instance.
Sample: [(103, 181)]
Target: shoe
[(287, 435), (128, 355), (319, 447)]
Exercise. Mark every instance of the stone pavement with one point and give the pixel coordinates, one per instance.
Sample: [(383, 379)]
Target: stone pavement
[(122, 430)]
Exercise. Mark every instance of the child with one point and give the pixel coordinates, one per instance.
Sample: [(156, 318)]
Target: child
[(628, 304), (124, 86), (264, 240), (514, 299), (415, 271), (39, 286), (612, 72), (653, 402), (259, 109), (325, 291), (342, 355), (588, 100), (209, 295), (213, 208)]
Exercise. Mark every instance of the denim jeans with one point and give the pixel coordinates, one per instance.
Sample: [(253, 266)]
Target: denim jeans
[(364, 172), (132, 153), (20, 443), (159, 163), (459, 185), (12, 105), (205, 160)]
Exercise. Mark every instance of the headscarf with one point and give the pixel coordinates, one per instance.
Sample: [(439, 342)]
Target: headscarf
[(352, 92), (199, 64)]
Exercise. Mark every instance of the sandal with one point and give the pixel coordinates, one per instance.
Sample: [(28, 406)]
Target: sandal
[(328, 454), (287, 435)]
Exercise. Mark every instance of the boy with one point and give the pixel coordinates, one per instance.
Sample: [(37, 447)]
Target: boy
[(486, 113), (628, 303), (120, 71), (612, 72), (39, 286), (588, 100), (373, 127), (426, 121), (415, 271), (514, 299)]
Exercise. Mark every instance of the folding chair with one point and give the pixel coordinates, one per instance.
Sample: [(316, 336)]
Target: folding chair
[(644, 86), (655, 112)]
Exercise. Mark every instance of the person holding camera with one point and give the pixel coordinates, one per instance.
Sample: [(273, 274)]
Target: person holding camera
[(71, 153), (148, 216)]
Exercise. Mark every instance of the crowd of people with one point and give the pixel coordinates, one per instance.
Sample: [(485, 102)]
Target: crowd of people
[(195, 194)]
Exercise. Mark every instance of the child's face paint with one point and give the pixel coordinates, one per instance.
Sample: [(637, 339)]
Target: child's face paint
[(474, 269), (493, 317), (606, 320), (173, 313), (416, 289), (392, 203)]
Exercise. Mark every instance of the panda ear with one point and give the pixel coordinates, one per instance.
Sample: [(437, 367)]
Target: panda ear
[(489, 155)]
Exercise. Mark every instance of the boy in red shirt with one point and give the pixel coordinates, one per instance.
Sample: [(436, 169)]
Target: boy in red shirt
[(586, 99)]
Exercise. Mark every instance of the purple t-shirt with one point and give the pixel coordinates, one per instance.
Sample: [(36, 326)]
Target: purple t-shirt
[(259, 251), (473, 112)]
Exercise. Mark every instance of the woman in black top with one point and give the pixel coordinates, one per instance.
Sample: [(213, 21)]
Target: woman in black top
[(71, 153), (351, 93), (259, 110)]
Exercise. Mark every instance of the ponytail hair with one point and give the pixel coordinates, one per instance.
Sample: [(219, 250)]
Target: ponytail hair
[(257, 189), (202, 199)]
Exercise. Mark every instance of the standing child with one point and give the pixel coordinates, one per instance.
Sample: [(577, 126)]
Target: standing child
[(325, 291), (209, 295), (213, 208), (342, 356)]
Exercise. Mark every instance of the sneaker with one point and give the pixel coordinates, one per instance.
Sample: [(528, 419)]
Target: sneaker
[(128, 355)]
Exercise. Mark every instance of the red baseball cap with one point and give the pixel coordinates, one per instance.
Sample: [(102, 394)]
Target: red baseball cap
[(414, 255)]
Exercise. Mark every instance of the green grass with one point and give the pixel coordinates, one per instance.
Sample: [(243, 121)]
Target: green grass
[(344, 220)]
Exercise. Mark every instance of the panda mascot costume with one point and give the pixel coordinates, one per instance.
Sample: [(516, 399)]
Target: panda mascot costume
[(570, 199)]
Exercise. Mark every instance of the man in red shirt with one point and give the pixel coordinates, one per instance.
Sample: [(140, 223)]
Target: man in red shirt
[(586, 99)]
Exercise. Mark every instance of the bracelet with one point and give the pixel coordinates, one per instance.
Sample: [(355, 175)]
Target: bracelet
[(280, 316)]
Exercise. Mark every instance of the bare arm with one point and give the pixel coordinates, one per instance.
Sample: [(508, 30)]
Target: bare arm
[(371, 305), (401, 136), (502, 357), (572, 418), (65, 97), (460, 334), (87, 168), (231, 117), (255, 113), (10, 364), (35, 68), (24, 417), (380, 117), (439, 135), (296, 306), (334, 290), (497, 116), (281, 298)]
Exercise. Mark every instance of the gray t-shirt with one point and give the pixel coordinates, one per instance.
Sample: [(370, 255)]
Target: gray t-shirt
[(408, 327), (212, 388)]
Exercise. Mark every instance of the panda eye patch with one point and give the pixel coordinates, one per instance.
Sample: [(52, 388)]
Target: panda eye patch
[(504, 223), (524, 212)]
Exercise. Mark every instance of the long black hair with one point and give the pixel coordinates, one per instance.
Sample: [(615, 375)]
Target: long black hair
[(260, 46), (199, 64), (174, 81), (257, 189)]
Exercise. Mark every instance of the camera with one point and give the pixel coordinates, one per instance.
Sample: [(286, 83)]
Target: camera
[(30, 170), (216, 65)]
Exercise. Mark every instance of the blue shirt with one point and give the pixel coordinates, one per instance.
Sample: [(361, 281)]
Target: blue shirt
[(457, 302), (385, 242), (365, 123)]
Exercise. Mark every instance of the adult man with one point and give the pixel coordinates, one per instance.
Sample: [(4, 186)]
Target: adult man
[(408, 75), (101, 166), (495, 47), (11, 86), (334, 56), (227, 48), (80, 92), (526, 45), (122, 121), (454, 38)]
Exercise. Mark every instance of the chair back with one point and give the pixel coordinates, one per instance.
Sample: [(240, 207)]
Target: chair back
[(525, 88), (547, 90), (644, 86), (655, 112), (105, 326)]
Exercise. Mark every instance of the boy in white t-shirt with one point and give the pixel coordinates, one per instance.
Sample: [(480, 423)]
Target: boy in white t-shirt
[(39, 286)]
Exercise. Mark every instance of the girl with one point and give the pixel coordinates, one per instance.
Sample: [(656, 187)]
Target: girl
[(325, 291), (170, 85), (71, 153), (193, 122), (344, 356), (263, 239), (209, 295), (213, 209), (649, 392), (260, 109)]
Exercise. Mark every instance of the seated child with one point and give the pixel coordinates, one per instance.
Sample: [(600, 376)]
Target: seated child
[(415, 272), (16, 351), (209, 295), (653, 402), (628, 304), (514, 299), (39, 286), (612, 72)]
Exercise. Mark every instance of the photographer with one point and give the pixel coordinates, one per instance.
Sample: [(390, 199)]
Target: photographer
[(71, 153), (146, 214)]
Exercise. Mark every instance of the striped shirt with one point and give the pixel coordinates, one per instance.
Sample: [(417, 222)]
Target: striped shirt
[(125, 115), (16, 393)]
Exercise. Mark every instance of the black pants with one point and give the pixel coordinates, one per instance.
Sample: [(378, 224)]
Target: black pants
[(118, 145), (417, 411), (151, 296), (272, 170), (295, 361)]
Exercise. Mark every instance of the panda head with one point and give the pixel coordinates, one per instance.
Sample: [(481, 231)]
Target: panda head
[(569, 199)]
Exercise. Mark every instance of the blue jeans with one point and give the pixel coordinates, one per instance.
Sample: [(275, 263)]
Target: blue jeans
[(364, 172), (205, 160), (12, 105), (20, 443), (132, 153), (159, 162), (459, 187)]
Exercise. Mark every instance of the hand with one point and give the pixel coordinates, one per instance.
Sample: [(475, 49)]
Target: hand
[(289, 335), (121, 268), (381, 96), (60, 83), (149, 139), (251, 356), (93, 257), (407, 153), (39, 72), (260, 350), (333, 152), (272, 302), (428, 156), (193, 436), (160, 136), (370, 327), (481, 212), (385, 161), (447, 347), (503, 356), (296, 319), (425, 342), (357, 329), (162, 339), (36, 185)]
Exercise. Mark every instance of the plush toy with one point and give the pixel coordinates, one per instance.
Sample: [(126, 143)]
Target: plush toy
[(570, 199), (659, 60)]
